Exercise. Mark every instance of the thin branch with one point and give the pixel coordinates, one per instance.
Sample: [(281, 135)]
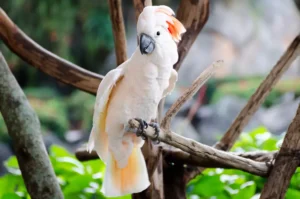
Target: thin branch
[(259, 96), (47, 62), (193, 15), (139, 6), (286, 163), (116, 17), (183, 158), (203, 77), (24, 128), (202, 151), (255, 101)]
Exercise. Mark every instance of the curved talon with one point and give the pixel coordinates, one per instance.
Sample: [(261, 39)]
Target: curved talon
[(143, 125), (156, 134)]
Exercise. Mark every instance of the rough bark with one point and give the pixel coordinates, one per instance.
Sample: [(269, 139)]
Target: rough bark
[(286, 163), (193, 14), (202, 151), (116, 17), (181, 157), (47, 62), (24, 128), (255, 101)]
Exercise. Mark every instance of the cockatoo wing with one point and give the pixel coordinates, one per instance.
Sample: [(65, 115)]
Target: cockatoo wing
[(98, 138), (172, 82)]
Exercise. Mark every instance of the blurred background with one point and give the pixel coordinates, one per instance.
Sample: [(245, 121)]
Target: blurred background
[(249, 35)]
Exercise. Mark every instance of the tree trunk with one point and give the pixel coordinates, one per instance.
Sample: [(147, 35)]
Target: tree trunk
[(24, 128), (286, 163)]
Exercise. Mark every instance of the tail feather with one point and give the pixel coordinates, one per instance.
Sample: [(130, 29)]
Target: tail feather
[(131, 179)]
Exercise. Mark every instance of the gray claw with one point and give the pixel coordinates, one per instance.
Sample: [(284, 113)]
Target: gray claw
[(143, 125), (156, 134)]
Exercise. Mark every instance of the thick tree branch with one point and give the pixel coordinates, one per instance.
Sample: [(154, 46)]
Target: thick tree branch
[(203, 77), (116, 17), (286, 163), (202, 151), (183, 158), (47, 62), (193, 15), (255, 101), (180, 157), (24, 128)]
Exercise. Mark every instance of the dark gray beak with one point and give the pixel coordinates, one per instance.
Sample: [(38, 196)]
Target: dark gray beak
[(147, 44)]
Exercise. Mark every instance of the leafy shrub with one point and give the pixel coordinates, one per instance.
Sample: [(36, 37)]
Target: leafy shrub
[(235, 184), (84, 180), (78, 180)]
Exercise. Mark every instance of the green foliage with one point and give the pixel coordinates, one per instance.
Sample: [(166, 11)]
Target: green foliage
[(50, 108), (77, 30), (57, 113), (234, 184), (78, 180), (84, 179)]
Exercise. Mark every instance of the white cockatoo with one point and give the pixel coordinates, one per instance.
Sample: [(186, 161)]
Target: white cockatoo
[(134, 90)]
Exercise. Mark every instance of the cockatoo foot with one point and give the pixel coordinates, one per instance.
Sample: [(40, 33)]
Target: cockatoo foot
[(140, 131), (156, 134)]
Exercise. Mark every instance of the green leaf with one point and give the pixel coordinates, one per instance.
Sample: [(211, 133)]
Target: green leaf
[(208, 186), (12, 165), (94, 166), (58, 151), (292, 193), (11, 196), (12, 162), (246, 191), (77, 184), (257, 131)]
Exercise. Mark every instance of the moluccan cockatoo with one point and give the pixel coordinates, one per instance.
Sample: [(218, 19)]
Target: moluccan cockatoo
[(133, 90)]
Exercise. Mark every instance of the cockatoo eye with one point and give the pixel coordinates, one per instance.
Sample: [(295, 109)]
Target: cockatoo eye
[(157, 33)]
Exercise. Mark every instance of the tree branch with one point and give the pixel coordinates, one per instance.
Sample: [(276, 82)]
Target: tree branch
[(139, 6), (255, 101), (259, 96), (180, 157), (24, 128), (116, 18), (286, 163), (47, 62), (183, 158), (201, 151), (203, 77), (193, 15)]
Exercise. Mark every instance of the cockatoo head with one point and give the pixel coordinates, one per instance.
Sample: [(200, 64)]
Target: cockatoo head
[(158, 31)]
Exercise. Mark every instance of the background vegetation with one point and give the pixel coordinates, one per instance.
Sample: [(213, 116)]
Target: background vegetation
[(84, 180)]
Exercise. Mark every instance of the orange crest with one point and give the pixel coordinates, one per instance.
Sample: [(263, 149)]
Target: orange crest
[(175, 27)]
